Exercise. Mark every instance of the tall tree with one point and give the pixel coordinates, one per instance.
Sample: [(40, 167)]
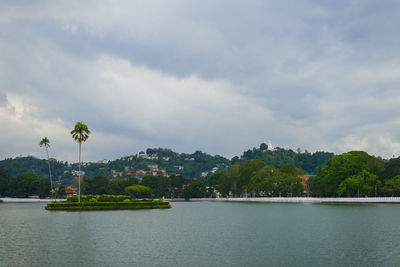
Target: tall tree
[(80, 133), (4, 180), (46, 143)]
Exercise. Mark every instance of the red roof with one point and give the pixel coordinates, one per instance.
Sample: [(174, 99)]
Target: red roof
[(306, 176), (69, 190)]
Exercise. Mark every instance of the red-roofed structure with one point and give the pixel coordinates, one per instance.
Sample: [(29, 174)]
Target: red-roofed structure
[(70, 191), (304, 179)]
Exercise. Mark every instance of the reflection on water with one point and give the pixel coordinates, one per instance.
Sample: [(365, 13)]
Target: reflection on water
[(202, 234)]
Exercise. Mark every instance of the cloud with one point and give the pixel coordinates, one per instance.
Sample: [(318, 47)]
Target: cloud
[(217, 76)]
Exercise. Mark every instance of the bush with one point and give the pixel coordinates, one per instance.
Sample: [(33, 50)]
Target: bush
[(136, 191), (92, 205), (100, 198)]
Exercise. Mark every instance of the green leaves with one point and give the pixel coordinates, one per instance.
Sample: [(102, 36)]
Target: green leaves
[(139, 191), (80, 133), (350, 174), (258, 179), (45, 142)]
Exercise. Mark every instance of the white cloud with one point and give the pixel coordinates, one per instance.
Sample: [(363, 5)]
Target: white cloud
[(216, 76)]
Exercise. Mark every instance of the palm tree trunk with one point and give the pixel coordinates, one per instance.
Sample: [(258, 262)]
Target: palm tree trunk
[(48, 162), (79, 174)]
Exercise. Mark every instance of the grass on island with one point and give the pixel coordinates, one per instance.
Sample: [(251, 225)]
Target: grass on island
[(105, 202)]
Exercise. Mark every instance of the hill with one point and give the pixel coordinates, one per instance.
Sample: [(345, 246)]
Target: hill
[(160, 160), (311, 163)]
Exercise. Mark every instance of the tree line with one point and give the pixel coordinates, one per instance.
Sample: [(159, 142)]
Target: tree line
[(174, 186), (188, 165), (357, 174), (23, 184), (255, 178), (311, 163)]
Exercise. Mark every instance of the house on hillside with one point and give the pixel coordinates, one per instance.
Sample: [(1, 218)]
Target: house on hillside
[(304, 179), (70, 191)]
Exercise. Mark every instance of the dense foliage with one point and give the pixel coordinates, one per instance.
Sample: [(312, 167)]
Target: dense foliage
[(101, 184), (168, 186), (138, 191), (255, 178), (23, 185), (181, 164), (258, 172), (101, 198), (31, 164), (309, 162), (4, 180), (356, 174), (95, 205), (175, 186)]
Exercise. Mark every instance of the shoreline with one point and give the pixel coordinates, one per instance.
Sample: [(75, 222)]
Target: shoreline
[(29, 200), (316, 200), (361, 200)]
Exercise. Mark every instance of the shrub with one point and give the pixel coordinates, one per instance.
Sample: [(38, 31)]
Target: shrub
[(92, 205), (136, 191)]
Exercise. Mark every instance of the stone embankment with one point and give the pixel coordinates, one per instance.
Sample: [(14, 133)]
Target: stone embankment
[(27, 200), (366, 200)]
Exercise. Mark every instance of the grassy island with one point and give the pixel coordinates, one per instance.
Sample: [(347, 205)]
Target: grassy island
[(105, 202)]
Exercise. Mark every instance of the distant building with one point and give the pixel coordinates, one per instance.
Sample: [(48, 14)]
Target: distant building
[(76, 173), (153, 168), (214, 170), (304, 179), (179, 167), (204, 174), (70, 191)]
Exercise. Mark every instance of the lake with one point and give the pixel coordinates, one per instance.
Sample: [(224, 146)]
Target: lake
[(203, 234)]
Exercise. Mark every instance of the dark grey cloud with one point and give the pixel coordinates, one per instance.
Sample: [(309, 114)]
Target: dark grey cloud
[(220, 76)]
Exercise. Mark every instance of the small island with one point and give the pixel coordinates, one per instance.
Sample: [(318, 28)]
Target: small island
[(106, 202), (111, 202)]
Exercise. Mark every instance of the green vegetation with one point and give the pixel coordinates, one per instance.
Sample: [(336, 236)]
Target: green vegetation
[(95, 205), (38, 166), (80, 133), (258, 172), (175, 186), (23, 185), (196, 165), (105, 202), (136, 191), (311, 163), (101, 184), (101, 198), (357, 174), (4, 181), (255, 178), (46, 143)]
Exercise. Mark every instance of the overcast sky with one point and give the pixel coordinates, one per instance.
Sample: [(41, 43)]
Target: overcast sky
[(216, 76)]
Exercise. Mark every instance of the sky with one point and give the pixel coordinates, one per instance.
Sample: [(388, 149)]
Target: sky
[(216, 76)]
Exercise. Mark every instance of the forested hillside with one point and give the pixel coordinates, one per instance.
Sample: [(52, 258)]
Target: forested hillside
[(160, 160), (311, 163)]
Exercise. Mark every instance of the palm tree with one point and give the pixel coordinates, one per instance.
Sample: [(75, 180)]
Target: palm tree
[(80, 133), (46, 143)]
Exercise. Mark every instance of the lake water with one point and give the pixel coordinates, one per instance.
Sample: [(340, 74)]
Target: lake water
[(202, 234)]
